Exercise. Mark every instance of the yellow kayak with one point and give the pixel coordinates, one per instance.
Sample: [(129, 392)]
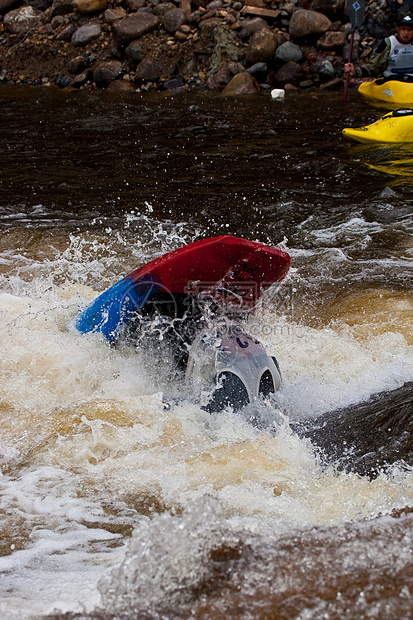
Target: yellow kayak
[(388, 91), (393, 127)]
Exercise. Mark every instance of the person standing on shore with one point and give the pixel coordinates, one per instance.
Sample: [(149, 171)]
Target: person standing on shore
[(393, 57)]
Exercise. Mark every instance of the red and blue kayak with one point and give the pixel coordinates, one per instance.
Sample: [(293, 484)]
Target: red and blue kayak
[(240, 268)]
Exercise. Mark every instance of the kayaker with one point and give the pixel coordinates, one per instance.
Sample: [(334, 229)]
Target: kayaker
[(394, 55)]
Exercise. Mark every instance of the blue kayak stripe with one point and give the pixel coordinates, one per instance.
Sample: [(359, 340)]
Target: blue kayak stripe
[(113, 308)]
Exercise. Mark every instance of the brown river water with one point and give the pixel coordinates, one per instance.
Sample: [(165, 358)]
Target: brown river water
[(115, 506)]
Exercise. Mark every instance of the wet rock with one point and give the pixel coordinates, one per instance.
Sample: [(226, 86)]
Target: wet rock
[(261, 46), (220, 78), (86, 34), (290, 72), (20, 21), (90, 6), (324, 69), (63, 81), (332, 40), (173, 19), (134, 5), (174, 84), (148, 70), (241, 84), (8, 5), (259, 70), (112, 15), (82, 78), (288, 51), (61, 7), (107, 72), (57, 21), (134, 51), (134, 26), (77, 65), (249, 26), (67, 33), (186, 7), (45, 29), (304, 23), (162, 8), (121, 86)]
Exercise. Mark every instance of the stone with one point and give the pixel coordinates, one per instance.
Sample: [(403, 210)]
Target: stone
[(324, 69), (180, 36), (259, 70), (57, 21), (219, 78), (20, 21), (134, 5), (332, 40), (77, 65), (290, 72), (113, 14), (174, 84), (120, 86), (134, 26), (106, 72), (173, 19), (162, 8), (81, 79), (241, 84), (134, 51), (86, 34), (288, 51), (261, 46), (45, 29), (90, 6), (148, 70), (304, 22), (185, 6), (67, 33), (249, 26), (61, 7)]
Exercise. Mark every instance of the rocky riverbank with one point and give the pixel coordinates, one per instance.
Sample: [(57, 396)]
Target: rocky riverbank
[(238, 46)]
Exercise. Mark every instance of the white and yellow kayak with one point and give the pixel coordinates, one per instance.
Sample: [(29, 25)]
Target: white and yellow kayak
[(388, 91), (393, 127)]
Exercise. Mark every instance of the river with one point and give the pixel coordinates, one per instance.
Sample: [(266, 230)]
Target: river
[(115, 506)]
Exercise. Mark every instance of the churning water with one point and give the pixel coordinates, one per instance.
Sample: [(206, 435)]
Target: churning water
[(115, 506)]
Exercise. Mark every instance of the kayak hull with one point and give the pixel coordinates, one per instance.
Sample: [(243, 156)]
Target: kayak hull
[(393, 128), (389, 91)]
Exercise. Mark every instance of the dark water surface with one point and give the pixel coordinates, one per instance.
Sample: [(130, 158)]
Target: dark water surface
[(115, 507)]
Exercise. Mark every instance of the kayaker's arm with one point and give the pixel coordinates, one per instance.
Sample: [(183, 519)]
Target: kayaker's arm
[(378, 63)]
